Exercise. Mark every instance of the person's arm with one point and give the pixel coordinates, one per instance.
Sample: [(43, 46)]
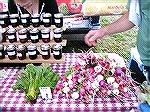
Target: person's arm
[(122, 24)]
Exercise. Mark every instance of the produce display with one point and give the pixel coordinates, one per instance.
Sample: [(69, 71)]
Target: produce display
[(95, 76), (33, 77)]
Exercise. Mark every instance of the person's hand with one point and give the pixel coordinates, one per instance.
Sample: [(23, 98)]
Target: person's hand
[(92, 36), (144, 107)]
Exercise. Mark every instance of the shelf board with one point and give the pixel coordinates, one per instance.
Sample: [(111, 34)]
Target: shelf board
[(39, 59)]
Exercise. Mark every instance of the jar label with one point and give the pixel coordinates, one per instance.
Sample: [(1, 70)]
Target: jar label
[(56, 52), (11, 37), (35, 20), (2, 22), (34, 37), (57, 20), (44, 53), (22, 36), (13, 20), (45, 35), (46, 20), (32, 52), (19, 54), (11, 53), (57, 35), (24, 20)]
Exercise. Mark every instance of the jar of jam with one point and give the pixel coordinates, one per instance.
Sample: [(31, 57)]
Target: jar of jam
[(58, 19), (21, 52), (35, 20), (14, 20), (11, 35), (2, 54), (57, 35), (45, 51), (23, 35), (47, 19), (57, 51), (4, 34), (32, 51), (34, 35), (4, 20), (25, 20), (45, 33), (11, 51)]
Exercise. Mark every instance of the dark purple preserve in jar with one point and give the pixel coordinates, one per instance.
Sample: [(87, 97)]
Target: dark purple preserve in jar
[(11, 35), (58, 18), (57, 51), (34, 35), (47, 19), (21, 52), (58, 35), (11, 51), (25, 20), (45, 51), (23, 35), (45, 34), (35, 20), (14, 19), (2, 54), (32, 51)]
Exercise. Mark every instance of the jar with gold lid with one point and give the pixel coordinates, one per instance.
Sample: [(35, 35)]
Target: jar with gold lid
[(45, 34), (14, 20), (32, 51), (21, 52), (23, 35), (11, 51), (47, 19), (57, 51), (11, 35), (45, 51)]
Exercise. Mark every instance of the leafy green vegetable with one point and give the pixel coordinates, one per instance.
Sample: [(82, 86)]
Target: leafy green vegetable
[(33, 77)]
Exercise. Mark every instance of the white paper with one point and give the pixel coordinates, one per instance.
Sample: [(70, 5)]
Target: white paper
[(45, 93)]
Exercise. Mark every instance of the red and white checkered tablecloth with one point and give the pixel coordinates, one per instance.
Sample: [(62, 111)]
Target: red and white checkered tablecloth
[(11, 100)]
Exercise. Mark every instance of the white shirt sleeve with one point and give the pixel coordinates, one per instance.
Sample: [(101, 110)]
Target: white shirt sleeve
[(134, 12)]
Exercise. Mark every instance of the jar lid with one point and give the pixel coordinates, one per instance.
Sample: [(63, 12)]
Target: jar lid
[(11, 47), (1, 46), (25, 15), (57, 46), (47, 15), (45, 30), (57, 30), (58, 15), (45, 47), (3, 16), (35, 15), (11, 30), (31, 47), (13, 15), (21, 47), (23, 30), (34, 30)]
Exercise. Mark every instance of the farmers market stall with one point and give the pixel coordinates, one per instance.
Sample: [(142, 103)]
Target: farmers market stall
[(15, 100)]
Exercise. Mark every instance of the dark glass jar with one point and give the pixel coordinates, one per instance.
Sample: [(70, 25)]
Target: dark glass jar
[(21, 52), (35, 20), (2, 53), (45, 34), (32, 51), (14, 20), (57, 35), (4, 20), (57, 51), (11, 35), (45, 51), (34, 35), (47, 19), (58, 18), (4, 34), (11, 51), (23, 35), (25, 20)]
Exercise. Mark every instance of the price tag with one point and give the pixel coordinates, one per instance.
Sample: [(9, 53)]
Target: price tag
[(45, 93)]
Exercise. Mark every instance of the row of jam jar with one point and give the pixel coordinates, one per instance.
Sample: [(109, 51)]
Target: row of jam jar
[(35, 20), (33, 34), (20, 51)]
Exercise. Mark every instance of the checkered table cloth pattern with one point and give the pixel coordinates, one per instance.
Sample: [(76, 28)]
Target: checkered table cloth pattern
[(11, 100)]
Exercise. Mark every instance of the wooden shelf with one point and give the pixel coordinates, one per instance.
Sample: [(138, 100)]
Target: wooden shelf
[(63, 43), (39, 59)]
